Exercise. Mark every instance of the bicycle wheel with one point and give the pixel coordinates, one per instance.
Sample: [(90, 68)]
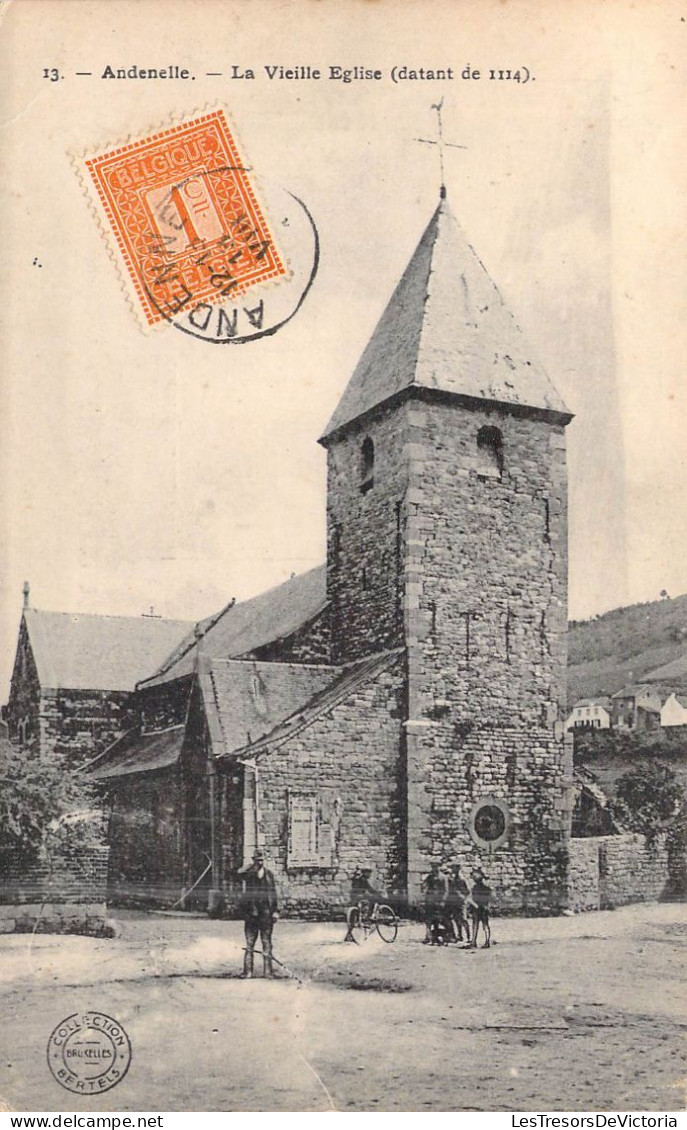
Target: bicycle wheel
[(387, 924)]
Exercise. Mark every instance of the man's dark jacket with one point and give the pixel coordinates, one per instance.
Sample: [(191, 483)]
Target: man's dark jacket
[(259, 899)]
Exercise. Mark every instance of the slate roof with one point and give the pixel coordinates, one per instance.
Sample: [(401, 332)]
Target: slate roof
[(87, 652), (241, 628), (636, 690), (446, 327), (345, 681), (244, 700), (138, 753)]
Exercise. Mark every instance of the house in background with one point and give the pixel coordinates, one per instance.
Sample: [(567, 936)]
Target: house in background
[(74, 676), (674, 710), (590, 714), (636, 707)]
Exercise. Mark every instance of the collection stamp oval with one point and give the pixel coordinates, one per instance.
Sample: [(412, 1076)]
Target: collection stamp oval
[(89, 1053), (180, 210)]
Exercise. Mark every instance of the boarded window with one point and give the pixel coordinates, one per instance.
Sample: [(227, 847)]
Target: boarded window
[(302, 830), (311, 840)]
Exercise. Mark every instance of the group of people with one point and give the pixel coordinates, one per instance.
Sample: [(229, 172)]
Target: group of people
[(454, 911)]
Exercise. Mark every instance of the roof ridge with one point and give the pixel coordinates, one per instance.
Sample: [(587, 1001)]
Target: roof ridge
[(275, 663), (110, 615), (253, 609)]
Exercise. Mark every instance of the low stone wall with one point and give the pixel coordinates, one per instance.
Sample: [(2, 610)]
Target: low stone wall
[(631, 870), (608, 871), (61, 894), (583, 880)]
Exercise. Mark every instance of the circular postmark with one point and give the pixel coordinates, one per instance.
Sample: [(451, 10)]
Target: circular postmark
[(231, 291), (89, 1053), (202, 242)]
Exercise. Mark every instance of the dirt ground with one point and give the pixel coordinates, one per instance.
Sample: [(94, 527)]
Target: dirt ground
[(580, 1013)]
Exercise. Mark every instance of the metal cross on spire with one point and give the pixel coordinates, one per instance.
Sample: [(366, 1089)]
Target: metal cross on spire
[(440, 143)]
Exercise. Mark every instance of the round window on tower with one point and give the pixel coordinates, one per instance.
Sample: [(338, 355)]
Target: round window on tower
[(489, 822)]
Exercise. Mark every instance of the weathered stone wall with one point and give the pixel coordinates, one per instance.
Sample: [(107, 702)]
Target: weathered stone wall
[(78, 725), (145, 834), (164, 705), (583, 876), (348, 760), (365, 538), (609, 871), (467, 563), (311, 644), (631, 870), (63, 892), (485, 612)]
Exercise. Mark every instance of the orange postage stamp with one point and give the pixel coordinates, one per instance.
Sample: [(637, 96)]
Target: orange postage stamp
[(186, 221)]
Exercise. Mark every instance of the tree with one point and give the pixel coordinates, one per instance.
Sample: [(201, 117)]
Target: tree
[(39, 796), (649, 799)]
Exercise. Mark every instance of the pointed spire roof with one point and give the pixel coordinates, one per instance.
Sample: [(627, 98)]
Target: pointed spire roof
[(446, 328)]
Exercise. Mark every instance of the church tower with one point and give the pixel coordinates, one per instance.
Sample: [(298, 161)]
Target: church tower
[(447, 536)]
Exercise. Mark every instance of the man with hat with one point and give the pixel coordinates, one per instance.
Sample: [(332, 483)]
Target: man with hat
[(363, 896), (435, 890), (260, 911), (478, 902), (458, 892)]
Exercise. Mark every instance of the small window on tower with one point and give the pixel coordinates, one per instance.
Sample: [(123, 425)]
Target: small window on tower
[(489, 453), (367, 465)]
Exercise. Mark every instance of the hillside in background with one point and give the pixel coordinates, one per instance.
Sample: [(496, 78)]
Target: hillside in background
[(644, 642)]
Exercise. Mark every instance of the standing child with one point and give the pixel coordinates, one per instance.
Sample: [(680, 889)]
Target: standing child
[(458, 893), (478, 904)]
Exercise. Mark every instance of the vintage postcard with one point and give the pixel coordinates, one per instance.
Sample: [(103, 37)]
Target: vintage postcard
[(344, 597)]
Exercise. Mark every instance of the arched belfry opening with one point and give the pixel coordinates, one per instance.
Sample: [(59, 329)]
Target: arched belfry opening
[(367, 465), (489, 453)]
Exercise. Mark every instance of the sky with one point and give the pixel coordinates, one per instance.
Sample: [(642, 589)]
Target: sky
[(155, 470)]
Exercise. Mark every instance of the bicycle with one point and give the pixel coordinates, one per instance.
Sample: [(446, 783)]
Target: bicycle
[(363, 921)]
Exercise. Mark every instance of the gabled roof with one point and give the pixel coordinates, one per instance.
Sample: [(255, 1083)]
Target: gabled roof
[(446, 328), (138, 753), (636, 690), (244, 700), (87, 652), (681, 699), (605, 702), (241, 628), (344, 683)]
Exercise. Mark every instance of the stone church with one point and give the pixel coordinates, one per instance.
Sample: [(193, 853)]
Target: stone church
[(404, 703)]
